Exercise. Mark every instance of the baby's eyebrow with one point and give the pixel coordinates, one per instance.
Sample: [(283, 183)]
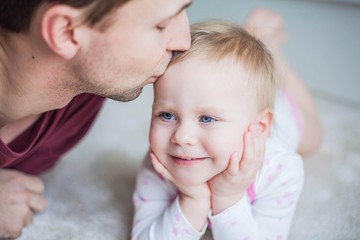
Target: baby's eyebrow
[(211, 109), (160, 105)]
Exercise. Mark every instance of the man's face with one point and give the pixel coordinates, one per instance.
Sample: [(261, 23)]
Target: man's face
[(201, 111), (136, 49)]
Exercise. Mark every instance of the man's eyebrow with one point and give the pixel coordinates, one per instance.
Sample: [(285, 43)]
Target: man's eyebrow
[(183, 8)]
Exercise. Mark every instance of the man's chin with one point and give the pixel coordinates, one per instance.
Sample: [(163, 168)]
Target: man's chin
[(127, 96)]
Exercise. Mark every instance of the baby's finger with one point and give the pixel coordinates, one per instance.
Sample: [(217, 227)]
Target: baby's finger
[(160, 168), (259, 139), (248, 152), (233, 168), (259, 148)]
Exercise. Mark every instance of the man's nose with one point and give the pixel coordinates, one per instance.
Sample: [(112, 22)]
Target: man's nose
[(179, 33)]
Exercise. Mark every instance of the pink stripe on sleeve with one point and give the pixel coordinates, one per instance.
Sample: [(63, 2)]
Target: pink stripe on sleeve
[(251, 192), (295, 111)]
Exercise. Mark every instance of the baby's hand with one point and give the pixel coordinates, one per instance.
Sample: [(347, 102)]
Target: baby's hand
[(229, 186)]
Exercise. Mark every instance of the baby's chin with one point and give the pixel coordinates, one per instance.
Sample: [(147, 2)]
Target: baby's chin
[(196, 177), (189, 180)]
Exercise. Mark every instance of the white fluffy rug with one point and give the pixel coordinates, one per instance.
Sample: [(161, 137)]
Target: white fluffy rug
[(90, 190)]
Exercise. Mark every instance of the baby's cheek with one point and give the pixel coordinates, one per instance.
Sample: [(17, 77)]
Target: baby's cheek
[(222, 164), (155, 140), (155, 147), (151, 138)]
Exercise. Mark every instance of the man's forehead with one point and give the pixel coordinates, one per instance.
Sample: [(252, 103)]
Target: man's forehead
[(177, 5), (160, 8)]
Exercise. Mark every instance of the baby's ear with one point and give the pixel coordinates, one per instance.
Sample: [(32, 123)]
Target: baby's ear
[(264, 121)]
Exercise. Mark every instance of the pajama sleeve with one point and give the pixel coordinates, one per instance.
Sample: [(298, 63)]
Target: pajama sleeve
[(157, 212), (277, 187)]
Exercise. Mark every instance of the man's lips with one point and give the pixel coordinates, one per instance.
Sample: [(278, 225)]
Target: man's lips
[(152, 79), (187, 161)]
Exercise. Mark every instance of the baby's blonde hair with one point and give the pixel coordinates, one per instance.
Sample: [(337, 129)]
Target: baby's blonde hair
[(217, 40)]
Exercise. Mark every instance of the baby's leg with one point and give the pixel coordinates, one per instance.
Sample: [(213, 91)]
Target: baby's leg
[(268, 26), (311, 125)]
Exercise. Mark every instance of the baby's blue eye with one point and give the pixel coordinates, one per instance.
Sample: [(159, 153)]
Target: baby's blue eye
[(207, 119), (167, 116)]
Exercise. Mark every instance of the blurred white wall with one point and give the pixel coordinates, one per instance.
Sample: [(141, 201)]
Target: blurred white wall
[(324, 44)]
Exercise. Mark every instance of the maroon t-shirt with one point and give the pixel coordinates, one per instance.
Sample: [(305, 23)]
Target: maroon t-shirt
[(39, 147)]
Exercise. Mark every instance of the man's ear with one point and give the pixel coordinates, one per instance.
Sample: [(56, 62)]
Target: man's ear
[(265, 121), (58, 26)]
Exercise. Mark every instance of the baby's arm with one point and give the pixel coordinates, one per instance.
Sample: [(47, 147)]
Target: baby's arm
[(229, 186), (157, 210), (277, 186)]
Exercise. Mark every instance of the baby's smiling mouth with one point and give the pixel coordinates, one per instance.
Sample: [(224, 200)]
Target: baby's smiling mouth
[(182, 160)]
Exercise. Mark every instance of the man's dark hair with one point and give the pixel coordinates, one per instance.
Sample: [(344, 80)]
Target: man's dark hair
[(16, 15)]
